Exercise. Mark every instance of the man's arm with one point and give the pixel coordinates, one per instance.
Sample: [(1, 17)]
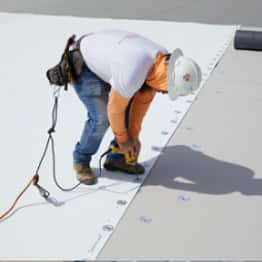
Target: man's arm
[(116, 108), (117, 104), (138, 109)]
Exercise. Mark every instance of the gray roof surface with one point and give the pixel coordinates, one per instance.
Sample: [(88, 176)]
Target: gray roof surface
[(202, 198)]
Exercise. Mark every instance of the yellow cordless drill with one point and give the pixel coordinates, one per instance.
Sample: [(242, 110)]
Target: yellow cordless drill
[(129, 160)]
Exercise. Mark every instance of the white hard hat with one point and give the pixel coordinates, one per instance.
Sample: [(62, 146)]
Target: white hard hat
[(184, 75)]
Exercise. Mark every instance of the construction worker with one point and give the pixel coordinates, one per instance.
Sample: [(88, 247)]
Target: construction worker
[(116, 75)]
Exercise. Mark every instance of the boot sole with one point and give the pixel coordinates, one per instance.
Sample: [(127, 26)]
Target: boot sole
[(88, 182), (115, 169)]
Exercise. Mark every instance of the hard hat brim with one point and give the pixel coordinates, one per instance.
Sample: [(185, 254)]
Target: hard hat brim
[(170, 74)]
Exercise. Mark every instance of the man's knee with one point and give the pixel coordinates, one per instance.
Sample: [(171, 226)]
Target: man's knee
[(102, 125)]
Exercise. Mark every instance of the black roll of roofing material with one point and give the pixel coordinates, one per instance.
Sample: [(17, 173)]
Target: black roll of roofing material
[(248, 40)]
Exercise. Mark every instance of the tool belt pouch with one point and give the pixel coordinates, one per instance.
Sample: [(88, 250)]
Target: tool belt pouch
[(76, 59), (69, 68)]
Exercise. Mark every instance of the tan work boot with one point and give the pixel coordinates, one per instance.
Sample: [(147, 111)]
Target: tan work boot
[(84, 174), (133, 169)]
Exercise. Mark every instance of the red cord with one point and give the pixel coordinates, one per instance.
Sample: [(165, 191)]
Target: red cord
[(33, 181)]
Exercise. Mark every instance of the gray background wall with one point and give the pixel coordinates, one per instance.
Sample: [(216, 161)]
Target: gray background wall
[(244, 12)]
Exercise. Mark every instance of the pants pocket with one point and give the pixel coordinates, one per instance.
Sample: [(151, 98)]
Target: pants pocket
[(89, 84)]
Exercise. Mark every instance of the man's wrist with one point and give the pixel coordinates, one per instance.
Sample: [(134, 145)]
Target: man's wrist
[(121, 139), (131, 133)]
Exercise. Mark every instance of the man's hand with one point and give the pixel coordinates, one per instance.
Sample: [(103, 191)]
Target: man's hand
[(129, 148), (137, 144)]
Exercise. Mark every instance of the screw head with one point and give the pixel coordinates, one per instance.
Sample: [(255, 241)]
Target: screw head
[(108, 228), (121, 202), (145, 219)]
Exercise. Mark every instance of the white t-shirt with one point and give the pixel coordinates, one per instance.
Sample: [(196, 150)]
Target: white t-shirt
[(120, 58)]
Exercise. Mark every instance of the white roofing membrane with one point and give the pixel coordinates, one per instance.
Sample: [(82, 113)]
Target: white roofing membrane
[(80, 222)]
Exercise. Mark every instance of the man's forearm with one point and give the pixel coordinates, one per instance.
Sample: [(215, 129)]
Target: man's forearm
[(117, 105), (138, 109)]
